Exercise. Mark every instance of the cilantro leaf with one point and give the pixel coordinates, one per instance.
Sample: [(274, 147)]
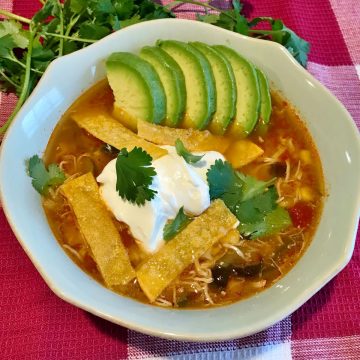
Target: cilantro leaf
[(252, 201), (124, 8), (42, 178), (77, 6), (254, 209), (13, 29), (177, 225), (88, 30), (222, 180), (50, 8), (208, 18), (187, 155), (273, 222), (252, 187), (135, 175), (298, 47)]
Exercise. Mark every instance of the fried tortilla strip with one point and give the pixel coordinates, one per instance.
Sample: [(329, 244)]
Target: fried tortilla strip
[(156, 273), (104, 127), (98, 230), (243, 152), (194, 140)]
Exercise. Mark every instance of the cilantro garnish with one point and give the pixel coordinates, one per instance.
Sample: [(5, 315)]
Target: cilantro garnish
[(187, 155), (42, 178), (134, 175), (252, 201), (272, 223), (175, 226), (255, 208)]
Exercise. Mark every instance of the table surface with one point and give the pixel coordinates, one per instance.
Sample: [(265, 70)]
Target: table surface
[(35, 324)]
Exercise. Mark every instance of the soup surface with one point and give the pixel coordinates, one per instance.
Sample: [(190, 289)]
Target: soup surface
[(232, 269)]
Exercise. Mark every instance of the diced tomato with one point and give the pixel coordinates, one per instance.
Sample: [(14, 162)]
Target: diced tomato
[(301, 214)]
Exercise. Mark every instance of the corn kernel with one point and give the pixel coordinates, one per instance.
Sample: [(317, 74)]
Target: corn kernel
[(305, 157), (306, 194)]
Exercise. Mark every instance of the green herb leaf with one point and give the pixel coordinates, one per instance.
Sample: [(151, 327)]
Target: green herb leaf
[(124, 8), (250, 200), (42, 178), (88, 30), (252, 187), (177, 225), (77, 6), (208, 18), (187, 155), (254, 209), (273, 222), (13, 29), (298, 47), (135, 175), (50, 8), (222, 181)]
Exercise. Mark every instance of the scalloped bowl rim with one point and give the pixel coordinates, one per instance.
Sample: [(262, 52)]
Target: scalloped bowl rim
[(254, 314)]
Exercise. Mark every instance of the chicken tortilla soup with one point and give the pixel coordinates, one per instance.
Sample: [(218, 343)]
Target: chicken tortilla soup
[(182, 180)]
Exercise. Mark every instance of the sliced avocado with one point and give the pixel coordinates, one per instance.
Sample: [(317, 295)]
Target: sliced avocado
[(136, 86), (248, 93), (199, 80), (225, 88), (265, 106), (172, 79)]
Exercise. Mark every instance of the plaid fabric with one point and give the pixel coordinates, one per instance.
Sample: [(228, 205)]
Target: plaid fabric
[(35, 324)]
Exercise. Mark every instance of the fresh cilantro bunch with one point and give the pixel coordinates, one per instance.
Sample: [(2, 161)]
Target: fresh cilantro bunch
[(134, 175), (42, 178), (252, 201), (27, 46)]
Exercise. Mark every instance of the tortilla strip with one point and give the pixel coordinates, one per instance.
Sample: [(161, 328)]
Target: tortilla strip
[(194, 140), (98, 230), (104, 127), (157, 272), (243, 152)]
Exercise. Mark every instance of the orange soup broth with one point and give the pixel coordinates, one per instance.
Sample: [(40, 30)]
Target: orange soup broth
[(289, 155)]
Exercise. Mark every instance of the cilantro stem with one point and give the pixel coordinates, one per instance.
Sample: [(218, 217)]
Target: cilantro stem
[(265, 32), (8, 79), (25, 87), (14, 16), (15, 60), (68, 37), (71, 24), (61, 26), (199, 3)]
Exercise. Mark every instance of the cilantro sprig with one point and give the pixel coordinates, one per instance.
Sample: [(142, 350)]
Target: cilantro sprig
[(187, 155), (134, 175), (252, 201), (42, 178), (177, 225)]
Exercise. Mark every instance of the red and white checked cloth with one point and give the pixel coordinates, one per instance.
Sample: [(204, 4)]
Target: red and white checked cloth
[(35, 324)]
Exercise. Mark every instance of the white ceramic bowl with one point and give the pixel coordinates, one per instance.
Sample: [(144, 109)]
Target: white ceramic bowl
[(330, 124)]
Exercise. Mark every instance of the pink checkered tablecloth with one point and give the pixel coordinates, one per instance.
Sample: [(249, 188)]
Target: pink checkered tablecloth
[(36, 324)]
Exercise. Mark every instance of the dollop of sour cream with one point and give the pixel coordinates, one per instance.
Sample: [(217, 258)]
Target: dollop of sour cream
[(177, 184)]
